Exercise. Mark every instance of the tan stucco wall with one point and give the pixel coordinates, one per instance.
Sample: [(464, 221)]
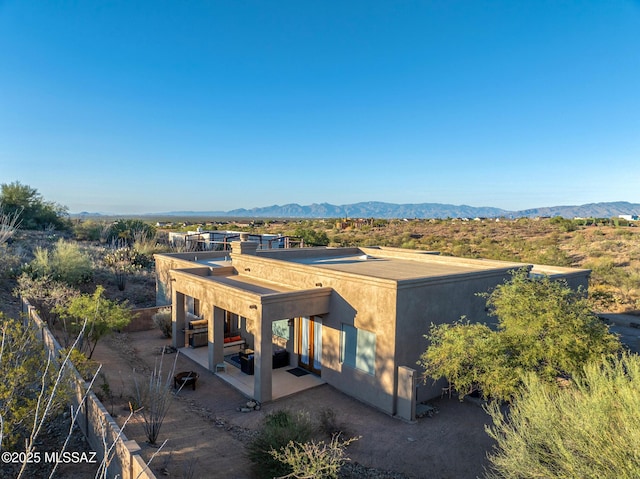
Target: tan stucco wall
[(165, 263), (365, 303)]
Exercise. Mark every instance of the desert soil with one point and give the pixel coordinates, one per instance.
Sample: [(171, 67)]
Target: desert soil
[(207, 436)]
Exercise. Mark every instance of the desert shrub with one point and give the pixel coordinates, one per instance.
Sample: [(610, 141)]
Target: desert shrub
[(162, 320), (563, 224), (45, 294), (278, 429), (9, 224), (329, 423), (589, 429), (10, 261), (126, 231), (312, 459), (27, 380), (602, 297), (88, 230), (66, 262), (124, 262), (410, 244), (154, 396), (551, 255)]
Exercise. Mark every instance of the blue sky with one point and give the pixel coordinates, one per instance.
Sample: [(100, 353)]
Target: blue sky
[(152, 106)]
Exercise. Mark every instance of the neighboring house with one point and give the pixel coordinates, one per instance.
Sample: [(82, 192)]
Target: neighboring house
[(354, 316), (218, 240)]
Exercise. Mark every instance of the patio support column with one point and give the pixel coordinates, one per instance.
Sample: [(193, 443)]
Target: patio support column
[(263, 361), (215, 333), (177, 319)]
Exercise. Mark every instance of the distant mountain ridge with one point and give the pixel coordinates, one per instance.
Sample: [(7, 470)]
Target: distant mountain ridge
[(378, 209)]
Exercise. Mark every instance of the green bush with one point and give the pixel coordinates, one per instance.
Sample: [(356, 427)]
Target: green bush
[(66, 263), (278, 429), (563, 224), (89, 230), (589, 429), (26, 380)]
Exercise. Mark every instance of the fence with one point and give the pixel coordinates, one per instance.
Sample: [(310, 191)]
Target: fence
[(94, 420)]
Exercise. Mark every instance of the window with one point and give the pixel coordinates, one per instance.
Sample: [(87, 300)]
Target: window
[(358, 349), (280, 328)]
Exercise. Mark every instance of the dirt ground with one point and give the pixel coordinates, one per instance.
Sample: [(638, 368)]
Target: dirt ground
[(206, 434)]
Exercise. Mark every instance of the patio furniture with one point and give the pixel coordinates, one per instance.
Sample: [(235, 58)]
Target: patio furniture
[(184, 379), (246, 361), (280, 359)]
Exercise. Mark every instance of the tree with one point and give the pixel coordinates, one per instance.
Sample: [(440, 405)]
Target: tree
[(544, 328), (102, 316), (548, 327), (588, 429), (16, 198), (312, 237)]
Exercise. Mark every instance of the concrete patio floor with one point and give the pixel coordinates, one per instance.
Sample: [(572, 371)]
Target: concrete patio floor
[(283, 383)]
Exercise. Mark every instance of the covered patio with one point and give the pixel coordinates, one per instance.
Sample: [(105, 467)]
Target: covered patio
[(283, 383), (259, 303)]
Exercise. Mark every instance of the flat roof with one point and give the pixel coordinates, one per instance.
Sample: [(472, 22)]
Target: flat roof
[(251, 284), (214, 262), (398, 269)]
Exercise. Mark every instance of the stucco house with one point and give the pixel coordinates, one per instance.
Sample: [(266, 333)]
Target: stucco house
[(356, 317)]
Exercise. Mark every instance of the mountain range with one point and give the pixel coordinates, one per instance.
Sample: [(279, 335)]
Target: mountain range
[(377, 209)]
